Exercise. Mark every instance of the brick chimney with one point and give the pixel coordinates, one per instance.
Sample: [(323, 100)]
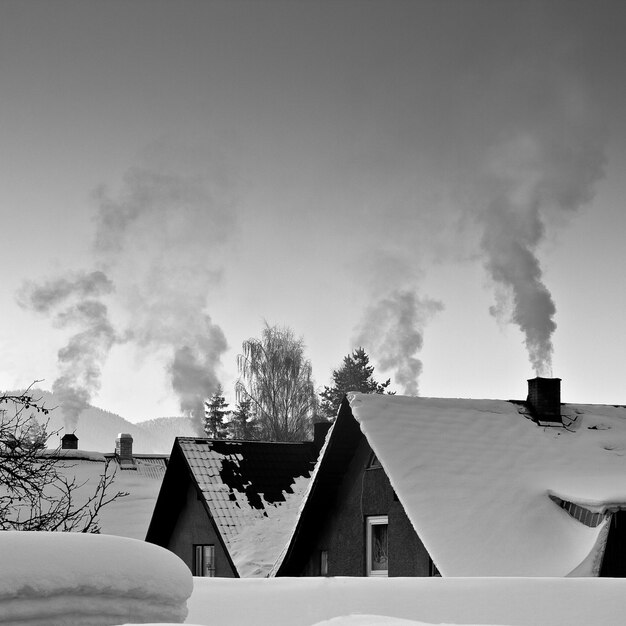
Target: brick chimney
[(124, 447), (544, 399), (69, 442)]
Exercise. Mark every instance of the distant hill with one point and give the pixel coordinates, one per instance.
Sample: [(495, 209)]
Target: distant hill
[(167, 428), (97, 429)]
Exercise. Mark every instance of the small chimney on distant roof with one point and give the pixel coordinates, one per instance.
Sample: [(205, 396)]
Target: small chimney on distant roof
[(544, 399), (69, 442), (124, 447)]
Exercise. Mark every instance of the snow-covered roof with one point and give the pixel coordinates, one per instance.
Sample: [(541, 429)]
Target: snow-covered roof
[(475, 478), (128, 516), (253, 490)]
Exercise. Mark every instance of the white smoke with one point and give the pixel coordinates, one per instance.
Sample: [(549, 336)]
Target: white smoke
[(392, 332), (159, 240), (527, 177), (75, 302)]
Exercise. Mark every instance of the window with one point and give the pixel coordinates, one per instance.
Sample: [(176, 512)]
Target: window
[(204, 560), (323, 562), (376, 546)]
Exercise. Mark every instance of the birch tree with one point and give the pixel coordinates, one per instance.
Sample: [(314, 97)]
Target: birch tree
[(277, 378)]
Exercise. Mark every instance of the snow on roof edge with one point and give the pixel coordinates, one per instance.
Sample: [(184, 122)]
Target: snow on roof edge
[(305, 497)]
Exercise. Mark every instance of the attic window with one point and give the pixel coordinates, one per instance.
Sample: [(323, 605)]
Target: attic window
[(373, 463), (580, 513)]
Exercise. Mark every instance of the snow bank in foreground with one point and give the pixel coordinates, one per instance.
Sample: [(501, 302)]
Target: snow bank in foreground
[(82, 579), (355, 620), (374, 620), (504, 601)]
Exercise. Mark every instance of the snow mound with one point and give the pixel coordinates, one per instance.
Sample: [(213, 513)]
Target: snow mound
[(374, 620), (83, 579), (408, 601)]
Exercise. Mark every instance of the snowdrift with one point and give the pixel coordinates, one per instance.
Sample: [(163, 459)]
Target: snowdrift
[(73, 579), (486, 601)]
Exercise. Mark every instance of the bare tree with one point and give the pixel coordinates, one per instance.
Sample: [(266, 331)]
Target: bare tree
[(277, 378), (36, 490)]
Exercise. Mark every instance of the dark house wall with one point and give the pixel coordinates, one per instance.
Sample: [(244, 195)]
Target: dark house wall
[(614, 562), (192, 527), (364, 492)]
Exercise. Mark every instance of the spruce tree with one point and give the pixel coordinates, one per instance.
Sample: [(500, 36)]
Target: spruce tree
[(243, 424), (215, 410), (355, 374)]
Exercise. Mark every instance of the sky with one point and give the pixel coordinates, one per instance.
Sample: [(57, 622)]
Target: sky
[(439, 182)]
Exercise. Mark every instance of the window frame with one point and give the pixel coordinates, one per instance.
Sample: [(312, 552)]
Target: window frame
[(323, 562), (370, 522), (204, 565)]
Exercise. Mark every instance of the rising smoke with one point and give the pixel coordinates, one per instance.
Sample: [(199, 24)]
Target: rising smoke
[(170, 230), (392, 330), (529, 176), (75, 302), (158, 241)]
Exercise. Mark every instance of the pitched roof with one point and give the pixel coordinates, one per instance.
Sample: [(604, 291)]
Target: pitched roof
[(252, 490), (475, 478), (488, 491), (128, 516)]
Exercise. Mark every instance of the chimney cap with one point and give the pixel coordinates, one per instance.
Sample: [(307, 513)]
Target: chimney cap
[(543, 378), (124, 436)]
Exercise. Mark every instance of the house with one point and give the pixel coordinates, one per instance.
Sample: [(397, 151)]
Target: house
[(226, 507), (411, 486), (137, 475)]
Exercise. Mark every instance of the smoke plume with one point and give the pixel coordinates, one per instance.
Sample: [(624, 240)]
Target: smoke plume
[(193, 367), (162, 237), (75, 302), (159, 240), (392, 331), (527, 178)]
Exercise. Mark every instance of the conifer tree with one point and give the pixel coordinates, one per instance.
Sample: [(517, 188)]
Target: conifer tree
[(215, 410), (355, 374), (243, 423)]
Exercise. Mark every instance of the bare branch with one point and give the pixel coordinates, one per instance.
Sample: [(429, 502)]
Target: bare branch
[(35, 490)]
